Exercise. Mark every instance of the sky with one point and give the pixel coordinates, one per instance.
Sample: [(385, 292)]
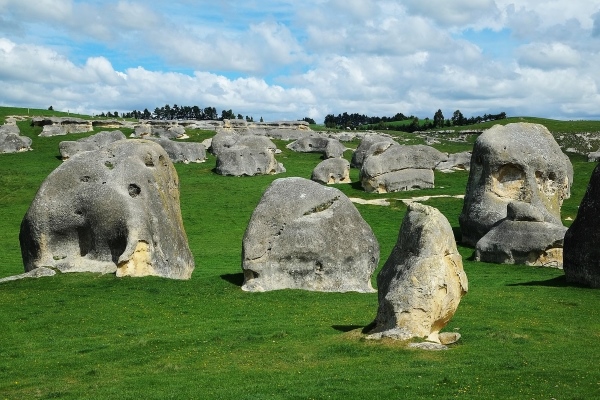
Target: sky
[(286, 60)]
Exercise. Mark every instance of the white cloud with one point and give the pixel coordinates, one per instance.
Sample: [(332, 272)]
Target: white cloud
[(549, 56)]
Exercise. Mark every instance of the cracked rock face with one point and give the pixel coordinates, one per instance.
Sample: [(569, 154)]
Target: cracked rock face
[(303, 235), (113, 210), (510, 164), (422, 281)]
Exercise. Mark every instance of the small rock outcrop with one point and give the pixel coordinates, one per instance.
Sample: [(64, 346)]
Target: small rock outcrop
[(332, 170), (514, 163), (303, 235), (113, 210), (523, 237), (249, 155), (69, 148), (422, 281), (581, 257), (182, 152), (393, 167)]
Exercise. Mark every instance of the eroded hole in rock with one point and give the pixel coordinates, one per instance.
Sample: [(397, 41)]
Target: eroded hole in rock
[(84, 235), (108, 165), (85, 179), (149, 160), (117, 245), (134, 190)]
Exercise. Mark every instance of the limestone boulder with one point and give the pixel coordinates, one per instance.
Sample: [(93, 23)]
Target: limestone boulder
[(113, 210), (69, 148), (303, 235), (245, 155), (422, 282), (455, 162), (332, 170), (57, 126), (523, 237), (182, 152), (514, 163), (159, 129), (365, 148), (392, 167), (582, 240), (14, 143), (330, 148)]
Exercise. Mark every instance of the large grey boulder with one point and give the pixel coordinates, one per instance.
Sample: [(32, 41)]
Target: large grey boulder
[(69, 148), (365, 148), (113, 210), (332, 170), (514, 163), (303, 235), (57, 126), (422, 281), (14, 143), (455, 162), (330, 148), (248, 155), (523, 237), (182, 152), (581, 257), (392, 167)]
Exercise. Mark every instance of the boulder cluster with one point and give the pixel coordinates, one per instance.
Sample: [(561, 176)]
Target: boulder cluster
[(113, 207)]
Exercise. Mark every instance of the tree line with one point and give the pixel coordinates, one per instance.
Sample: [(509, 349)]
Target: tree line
[(175, 112), (360, 121)]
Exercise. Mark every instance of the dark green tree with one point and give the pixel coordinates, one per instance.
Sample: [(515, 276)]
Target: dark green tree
[(438, 119)]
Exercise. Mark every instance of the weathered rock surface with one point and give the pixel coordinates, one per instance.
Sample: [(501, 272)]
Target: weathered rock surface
[(582, 240), (303, 235), (422, 281), (249, 155), (365, 148), (114, 210), (159, 129), (455, 162), (182, 152), (57, 126), (283, 130), (332, 170), (514, 163), (330, 148), (69, 148), (523, 237), (393, 167), (13, 142), (34, 273)]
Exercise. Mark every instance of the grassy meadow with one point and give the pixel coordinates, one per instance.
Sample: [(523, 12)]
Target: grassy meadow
[(526, 333)]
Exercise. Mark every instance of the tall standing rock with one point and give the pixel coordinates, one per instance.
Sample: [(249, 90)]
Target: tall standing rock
[(581, 253), (303, 235), (422, 281), (114, 210), (514, 163)]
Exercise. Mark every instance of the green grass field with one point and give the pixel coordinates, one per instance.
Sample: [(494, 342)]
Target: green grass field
[(526, 334)]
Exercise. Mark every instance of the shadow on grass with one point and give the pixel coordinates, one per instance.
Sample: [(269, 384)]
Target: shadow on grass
[(235, 279), (559, 281), (346, 328)]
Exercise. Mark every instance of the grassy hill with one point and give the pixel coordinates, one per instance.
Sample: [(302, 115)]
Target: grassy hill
[(526, 333)]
